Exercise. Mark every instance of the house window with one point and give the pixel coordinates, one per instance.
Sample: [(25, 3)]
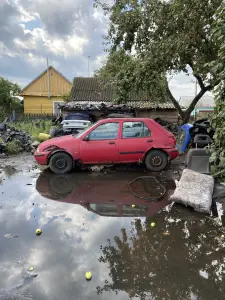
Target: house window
[(107, 131), (55, 107), (135, 130)]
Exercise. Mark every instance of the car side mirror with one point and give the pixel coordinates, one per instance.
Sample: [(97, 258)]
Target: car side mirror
[(86, 138)]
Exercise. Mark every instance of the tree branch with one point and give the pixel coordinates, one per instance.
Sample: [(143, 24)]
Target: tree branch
[(174, 101), (196, 99), (200, 81)]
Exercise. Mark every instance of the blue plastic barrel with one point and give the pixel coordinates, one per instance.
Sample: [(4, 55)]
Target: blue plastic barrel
[(183, 137)]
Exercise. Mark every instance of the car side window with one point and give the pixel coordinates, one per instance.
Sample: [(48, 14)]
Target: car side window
[(135, 130), (107, 131)]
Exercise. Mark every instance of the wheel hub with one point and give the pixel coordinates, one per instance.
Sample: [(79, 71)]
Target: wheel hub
[(157, 161), (61, 163)]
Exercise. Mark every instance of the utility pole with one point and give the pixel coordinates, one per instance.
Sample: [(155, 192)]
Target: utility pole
[(88, 64), (48, 78)]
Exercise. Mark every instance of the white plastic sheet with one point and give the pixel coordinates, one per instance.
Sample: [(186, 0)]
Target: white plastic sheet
[(194, 190)]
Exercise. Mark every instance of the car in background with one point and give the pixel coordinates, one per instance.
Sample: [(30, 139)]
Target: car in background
[(77, 121), (111, 141)]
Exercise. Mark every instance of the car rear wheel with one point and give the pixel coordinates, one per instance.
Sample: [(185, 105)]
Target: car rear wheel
[(156, 161), (61, 163)]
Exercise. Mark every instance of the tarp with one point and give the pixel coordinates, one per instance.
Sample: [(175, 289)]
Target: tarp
[(194, 190)]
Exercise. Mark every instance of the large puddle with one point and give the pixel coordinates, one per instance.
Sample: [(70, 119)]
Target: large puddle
[(102, 223)]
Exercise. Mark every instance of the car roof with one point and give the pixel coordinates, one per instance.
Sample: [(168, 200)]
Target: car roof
[(125, 119)]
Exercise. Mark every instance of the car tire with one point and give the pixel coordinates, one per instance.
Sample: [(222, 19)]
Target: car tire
[(61, 185), (156, 161), (61, 163)]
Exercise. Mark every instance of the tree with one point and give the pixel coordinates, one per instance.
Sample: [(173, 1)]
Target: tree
[(218, 117), (120, 68), (7, 91), (164, 262), (164, 38)]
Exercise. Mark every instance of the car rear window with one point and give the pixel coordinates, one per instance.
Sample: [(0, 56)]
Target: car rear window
[(78, 117)]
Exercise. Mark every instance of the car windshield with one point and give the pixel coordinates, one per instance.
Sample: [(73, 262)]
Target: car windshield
[(83, 132)]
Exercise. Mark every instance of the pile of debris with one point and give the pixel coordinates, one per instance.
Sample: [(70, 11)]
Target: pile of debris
[(172, 127), (98, 106), (22, 139)]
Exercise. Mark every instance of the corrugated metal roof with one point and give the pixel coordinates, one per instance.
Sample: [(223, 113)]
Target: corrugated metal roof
[(204, 102), (91, 90)]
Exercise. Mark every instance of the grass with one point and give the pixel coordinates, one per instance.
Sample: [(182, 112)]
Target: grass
[(33, 128), (13, 147)]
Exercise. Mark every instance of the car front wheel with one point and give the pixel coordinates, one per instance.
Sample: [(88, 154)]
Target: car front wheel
[(61, 163), (156, 161)]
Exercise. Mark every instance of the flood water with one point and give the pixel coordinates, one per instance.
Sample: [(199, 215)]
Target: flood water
[(102, 223)]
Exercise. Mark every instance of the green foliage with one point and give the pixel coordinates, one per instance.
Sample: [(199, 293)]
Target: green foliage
[(65, 97), (163, 38), (7, 91), (122, 72), (218, 117), (13, 147), (33, 128)]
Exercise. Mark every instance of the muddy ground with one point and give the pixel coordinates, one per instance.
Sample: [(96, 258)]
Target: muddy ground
[(102, 223)]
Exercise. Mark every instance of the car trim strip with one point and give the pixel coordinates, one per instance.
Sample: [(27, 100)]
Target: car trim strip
[(132, 152)]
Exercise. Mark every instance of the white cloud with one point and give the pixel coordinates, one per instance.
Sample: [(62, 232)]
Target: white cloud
[(66, 31)]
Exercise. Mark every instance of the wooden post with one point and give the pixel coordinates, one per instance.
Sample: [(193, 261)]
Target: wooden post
[(48, 75)]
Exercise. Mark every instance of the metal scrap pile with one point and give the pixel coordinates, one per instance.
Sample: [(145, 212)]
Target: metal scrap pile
[(95, 106), (169, 126), (22, 139)]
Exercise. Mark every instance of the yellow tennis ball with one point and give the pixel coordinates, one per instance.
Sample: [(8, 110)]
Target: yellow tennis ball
[(152, 224), (88, 275), (133, 205), (31, 269), (38, 231)]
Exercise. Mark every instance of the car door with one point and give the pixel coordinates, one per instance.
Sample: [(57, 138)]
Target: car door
[(135, 140), (101, 147)]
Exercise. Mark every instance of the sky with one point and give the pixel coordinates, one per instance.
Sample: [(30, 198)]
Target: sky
[(65, 31)]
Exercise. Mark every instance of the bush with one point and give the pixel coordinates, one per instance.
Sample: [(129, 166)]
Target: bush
[(13, 147), (33, 128)]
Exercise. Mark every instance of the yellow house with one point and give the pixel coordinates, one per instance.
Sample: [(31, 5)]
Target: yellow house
[(42, 95)]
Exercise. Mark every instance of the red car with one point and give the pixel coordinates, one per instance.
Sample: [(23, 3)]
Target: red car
[(111, 141), (106, 194)]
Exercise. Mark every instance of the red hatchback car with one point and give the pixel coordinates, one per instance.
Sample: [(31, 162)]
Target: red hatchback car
[(111, 141)]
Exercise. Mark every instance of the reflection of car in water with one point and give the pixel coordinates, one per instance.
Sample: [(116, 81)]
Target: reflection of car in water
[(103, 194)]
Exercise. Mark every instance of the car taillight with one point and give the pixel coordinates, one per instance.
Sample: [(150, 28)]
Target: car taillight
[(51, 148)]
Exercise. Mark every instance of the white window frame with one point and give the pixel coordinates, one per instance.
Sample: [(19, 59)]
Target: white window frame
[(53, 105)]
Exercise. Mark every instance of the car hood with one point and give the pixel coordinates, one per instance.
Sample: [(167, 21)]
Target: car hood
[(58, 141)]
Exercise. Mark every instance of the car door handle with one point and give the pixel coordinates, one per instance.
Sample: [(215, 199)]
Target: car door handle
[(149, 141), (111, 143)]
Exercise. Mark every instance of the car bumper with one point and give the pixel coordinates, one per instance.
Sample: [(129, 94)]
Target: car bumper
[(173, 153), (41, 157)]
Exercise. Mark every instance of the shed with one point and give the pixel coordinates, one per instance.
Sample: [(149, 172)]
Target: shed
[(91, 90)]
